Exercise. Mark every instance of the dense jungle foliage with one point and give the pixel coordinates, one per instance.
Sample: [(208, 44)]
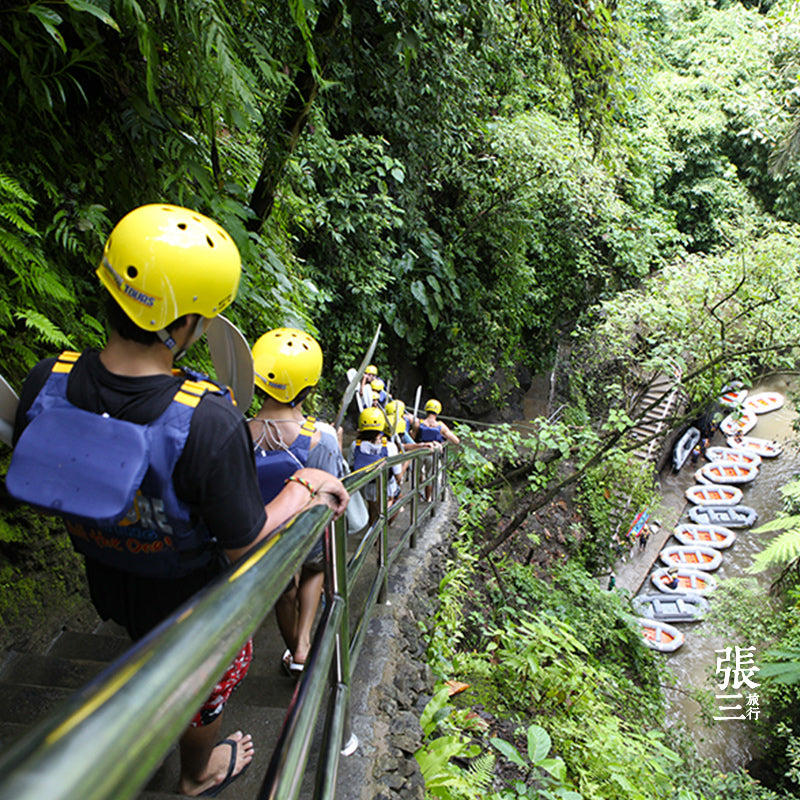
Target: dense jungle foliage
[(607, 186)]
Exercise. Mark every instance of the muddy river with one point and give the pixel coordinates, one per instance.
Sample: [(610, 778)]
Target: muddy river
[(727, 743)]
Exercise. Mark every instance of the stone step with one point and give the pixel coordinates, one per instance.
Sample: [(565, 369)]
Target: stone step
[(27, 704), (88, 646), (10, 732), (36, 670)]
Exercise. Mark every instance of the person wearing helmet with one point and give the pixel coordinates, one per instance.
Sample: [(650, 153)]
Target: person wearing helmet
[(370, 374), (370, 446), (397, 418), (154, 530), (379, 396), (431, 429), (288, 365)]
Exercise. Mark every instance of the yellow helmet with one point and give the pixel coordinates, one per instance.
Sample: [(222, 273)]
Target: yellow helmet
[(377, 385), (433, 407), (371, 419), (392, 408), (161, 262), (286, 361), (394, 413), (371, 370)]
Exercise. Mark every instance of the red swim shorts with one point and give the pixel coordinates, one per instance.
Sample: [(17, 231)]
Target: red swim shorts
[(233, 676)]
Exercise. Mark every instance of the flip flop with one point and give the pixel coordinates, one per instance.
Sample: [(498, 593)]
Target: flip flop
[(229, 777)]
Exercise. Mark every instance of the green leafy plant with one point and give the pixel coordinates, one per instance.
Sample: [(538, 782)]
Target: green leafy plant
[(443, 778), (539, 767)]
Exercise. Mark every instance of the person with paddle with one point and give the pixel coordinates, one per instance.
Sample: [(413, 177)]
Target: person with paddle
[(159, 522), (371, 446), (431, 429), (288, 366)]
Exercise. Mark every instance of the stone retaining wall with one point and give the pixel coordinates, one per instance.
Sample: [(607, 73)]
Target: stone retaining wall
[(392, 682)]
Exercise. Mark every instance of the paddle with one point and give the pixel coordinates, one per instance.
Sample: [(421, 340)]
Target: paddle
[(416, 402), (8, 410), (366, 394), (355, 381), (232, 359)]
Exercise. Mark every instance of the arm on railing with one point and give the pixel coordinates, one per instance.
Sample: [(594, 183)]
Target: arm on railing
[(106, 740)]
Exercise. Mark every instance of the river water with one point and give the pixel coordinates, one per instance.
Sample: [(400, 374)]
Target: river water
[(727, 743)]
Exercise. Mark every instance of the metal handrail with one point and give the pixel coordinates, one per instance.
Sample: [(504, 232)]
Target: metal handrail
[(106, 740)]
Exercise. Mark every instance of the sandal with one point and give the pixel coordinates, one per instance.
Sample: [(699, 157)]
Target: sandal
[(291, 667)]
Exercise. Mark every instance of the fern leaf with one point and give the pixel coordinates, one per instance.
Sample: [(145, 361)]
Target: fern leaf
[(781, 551), (786, 667), (779, 524), (43, 327), (481, 770), (11, 188)]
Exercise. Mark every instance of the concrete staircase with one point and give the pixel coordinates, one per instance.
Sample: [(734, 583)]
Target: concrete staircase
[(658, 405), (33, 684), (661, 403)]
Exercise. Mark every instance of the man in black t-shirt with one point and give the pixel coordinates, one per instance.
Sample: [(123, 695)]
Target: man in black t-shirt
[(169, 270)]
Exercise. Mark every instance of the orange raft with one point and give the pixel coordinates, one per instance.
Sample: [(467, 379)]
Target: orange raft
[(729, 472), (763, 402), (763, 447), (689, 580), (694, 556), (717, 536), (660, 635), (711, 494), (739, 421)]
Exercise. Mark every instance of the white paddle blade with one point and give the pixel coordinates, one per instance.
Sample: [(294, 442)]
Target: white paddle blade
[(354, 379), (232, 360), (8, 410), (416, 401)]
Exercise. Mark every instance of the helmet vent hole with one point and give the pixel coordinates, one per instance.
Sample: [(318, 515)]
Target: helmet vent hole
[(210, 241), (271, 375), (131, 272), (182, 226)]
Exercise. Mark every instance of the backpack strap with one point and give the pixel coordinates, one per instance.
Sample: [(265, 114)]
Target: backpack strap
[(65, 362), (309, 427)]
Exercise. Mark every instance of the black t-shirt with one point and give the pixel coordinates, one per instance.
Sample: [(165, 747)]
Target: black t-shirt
[(215, 476)]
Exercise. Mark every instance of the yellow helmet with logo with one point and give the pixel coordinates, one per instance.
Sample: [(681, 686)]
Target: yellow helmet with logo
[(371, 419), (287, 361), (162, 261), (395, 407), (433, 407)]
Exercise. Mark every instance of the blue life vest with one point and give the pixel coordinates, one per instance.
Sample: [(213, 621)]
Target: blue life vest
[(430, 433), (111, 480), (362, 459), (275, 466)]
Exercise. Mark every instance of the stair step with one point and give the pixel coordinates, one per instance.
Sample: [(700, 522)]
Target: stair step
[(88, 646), (37, 670), (27, 704), (110, 628), (10, 732)]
